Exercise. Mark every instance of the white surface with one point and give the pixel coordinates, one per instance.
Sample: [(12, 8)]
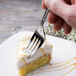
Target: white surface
[(62, 51)]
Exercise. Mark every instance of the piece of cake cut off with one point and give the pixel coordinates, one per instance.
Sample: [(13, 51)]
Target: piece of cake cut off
[(40, 58)]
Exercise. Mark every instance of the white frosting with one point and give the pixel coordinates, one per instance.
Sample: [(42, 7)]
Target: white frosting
[(23, 41)]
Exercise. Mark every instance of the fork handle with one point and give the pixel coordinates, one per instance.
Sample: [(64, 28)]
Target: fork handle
[(44, 16)]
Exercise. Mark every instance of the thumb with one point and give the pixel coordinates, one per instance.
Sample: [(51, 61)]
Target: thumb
[(58, 7)]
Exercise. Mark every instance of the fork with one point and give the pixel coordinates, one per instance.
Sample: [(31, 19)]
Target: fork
[(38, 38)]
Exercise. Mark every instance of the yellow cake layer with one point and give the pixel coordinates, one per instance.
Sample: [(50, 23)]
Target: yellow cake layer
[(43, 60)]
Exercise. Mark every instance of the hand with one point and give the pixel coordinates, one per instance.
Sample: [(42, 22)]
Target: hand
[(62, 14)]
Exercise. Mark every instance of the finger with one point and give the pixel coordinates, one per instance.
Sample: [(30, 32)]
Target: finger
[(73, 1), (43, 4), (67, 28), (52, 18), (58, 7), (58, 25)]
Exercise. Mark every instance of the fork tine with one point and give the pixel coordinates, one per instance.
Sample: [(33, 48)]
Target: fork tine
[(33, 42), (35, 46), (29, 49), (30, 41), (36, 49)]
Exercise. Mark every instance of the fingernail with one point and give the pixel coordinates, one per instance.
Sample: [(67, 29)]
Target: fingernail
[(46, 2)]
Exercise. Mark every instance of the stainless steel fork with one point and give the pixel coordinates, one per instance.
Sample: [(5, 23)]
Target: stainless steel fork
[(38, 38)]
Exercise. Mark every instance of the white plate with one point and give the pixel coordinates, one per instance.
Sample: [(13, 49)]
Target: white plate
[(63, 59)]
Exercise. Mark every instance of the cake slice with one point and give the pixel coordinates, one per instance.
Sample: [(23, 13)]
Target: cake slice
[(40, 58)]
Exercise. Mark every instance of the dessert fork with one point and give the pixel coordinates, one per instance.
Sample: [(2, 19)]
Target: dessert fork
[(38, 37)]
